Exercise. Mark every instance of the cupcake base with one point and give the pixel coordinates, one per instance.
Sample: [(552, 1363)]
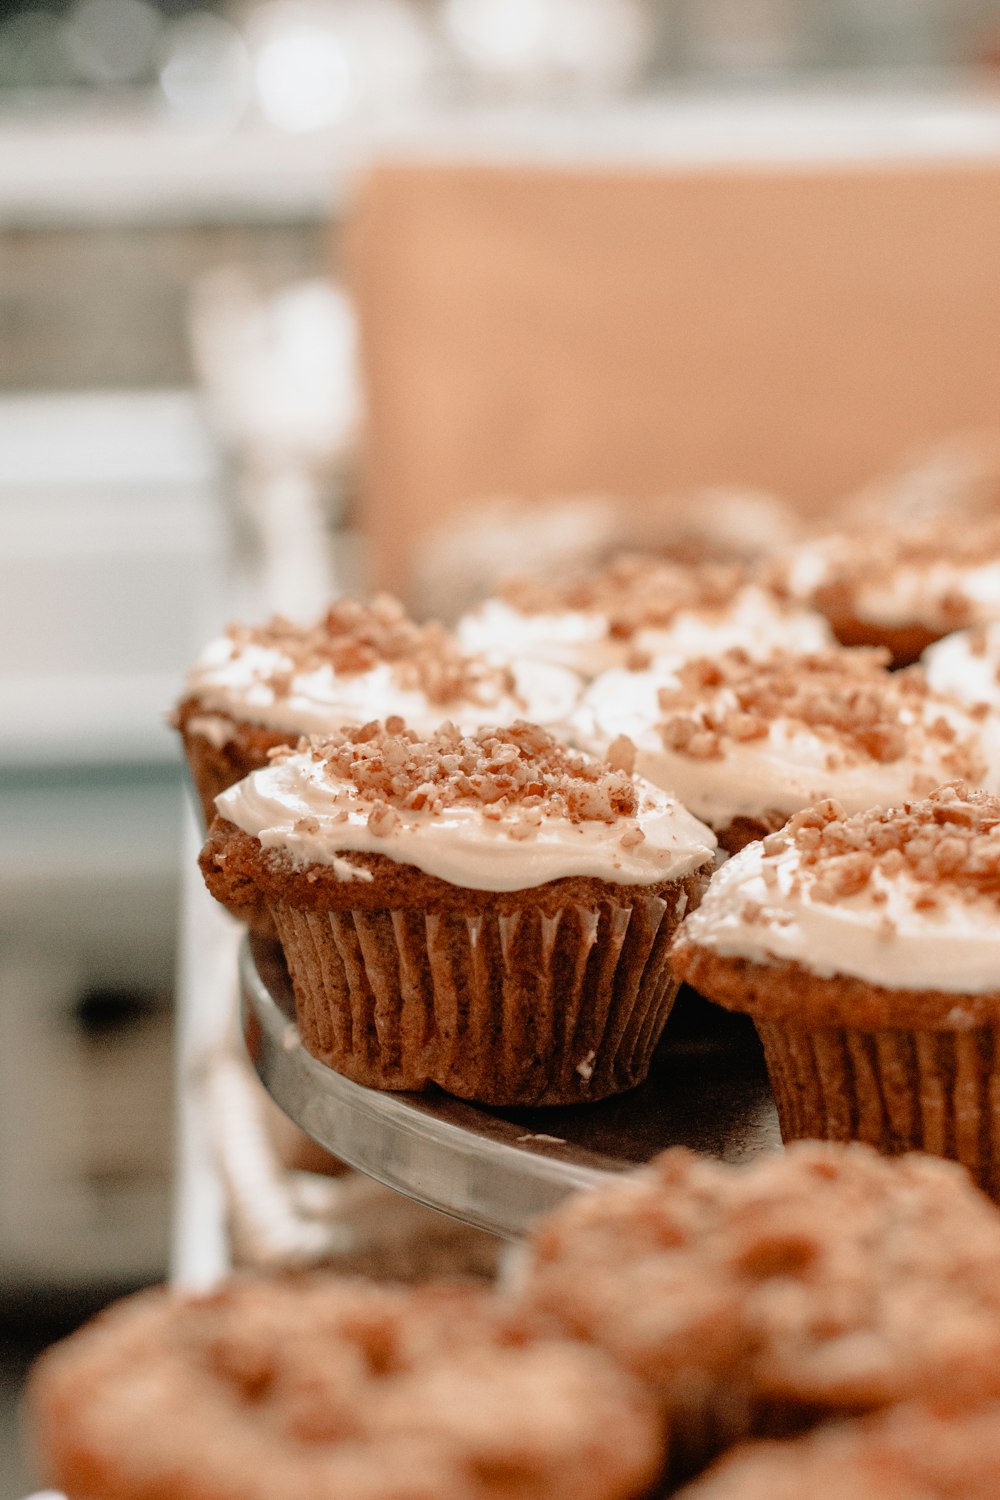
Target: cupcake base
[(905, 643), (550, 995), (902, 1070), (520, 1006), (936, 1091), (736, 834), (220, 751)]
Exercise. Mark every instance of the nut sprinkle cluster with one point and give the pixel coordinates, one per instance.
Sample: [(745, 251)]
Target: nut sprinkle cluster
[(635, 593), (847, 697), (353, 637), (521, 769), (858, 562), (950, 838)]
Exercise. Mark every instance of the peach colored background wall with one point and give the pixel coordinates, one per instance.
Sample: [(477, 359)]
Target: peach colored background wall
[(536, 332)]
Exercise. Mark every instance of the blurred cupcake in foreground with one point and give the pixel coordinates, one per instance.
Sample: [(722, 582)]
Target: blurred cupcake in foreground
[(489, 912), (867, 951), (762, 1299), (901, 589), (743, 744), (911, 1452), (259, 687), (297, 1389), (632, 611)]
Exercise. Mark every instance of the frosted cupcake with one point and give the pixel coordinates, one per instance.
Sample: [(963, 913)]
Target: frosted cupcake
[(761, 1299), (744, 744), (867, 951), (490, 912), (322, 1389), (632, 611), (259, 687), (902, 589)]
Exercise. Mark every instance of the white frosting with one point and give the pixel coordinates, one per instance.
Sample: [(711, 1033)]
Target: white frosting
[(573, 638), (234, 679), (783, 772), (954, 946), (458, 844), (579, 639), (971, 675), (912, 593)]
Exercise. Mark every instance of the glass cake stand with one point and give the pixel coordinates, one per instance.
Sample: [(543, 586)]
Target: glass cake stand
[(499, 1169)]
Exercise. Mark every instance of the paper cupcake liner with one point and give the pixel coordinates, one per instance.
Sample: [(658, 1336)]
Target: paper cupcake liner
[(516, 1007), (935, 1091)]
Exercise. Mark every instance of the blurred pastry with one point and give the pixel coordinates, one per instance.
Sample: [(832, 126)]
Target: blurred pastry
[(912, 1452), (901, 589), (489, 912), (318, 1388), (867, 951), (761, 1299), (956, 481), (721, 523), (743, 743), (632, 611)]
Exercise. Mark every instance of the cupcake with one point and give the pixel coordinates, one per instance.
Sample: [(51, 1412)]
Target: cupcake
[(321, 1389), (258, 687), (490, 913), (761, 1299), (743, 744), (956, 481), (632, 611), (867, 951), (898, 588), (908, 1453), (717, 523)]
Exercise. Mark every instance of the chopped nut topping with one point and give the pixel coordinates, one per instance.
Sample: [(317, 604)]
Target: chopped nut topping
[(950, 840), (383, 820), (631, 837), (870, 558), (353, 637), (847, 697), (634, 593), (621, 754), (518, 769)]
